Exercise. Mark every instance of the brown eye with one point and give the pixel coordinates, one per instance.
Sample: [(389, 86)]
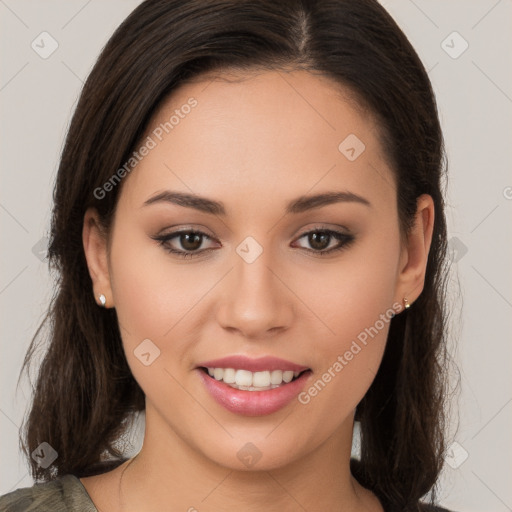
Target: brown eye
[(185, 244), (320, 241), (190, 241)]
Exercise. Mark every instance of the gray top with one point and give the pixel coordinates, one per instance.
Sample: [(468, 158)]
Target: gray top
[(63, 494)]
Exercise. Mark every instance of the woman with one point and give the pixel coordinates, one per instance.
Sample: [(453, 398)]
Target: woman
[(249, 229)]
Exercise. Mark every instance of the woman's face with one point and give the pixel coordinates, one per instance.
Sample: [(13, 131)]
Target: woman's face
[(274, 172)]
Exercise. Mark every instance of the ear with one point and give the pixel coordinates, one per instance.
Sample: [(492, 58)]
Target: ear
[(96, 253), (414, 257)]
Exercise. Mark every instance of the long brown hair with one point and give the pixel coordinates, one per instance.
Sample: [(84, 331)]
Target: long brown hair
[(85, 391)]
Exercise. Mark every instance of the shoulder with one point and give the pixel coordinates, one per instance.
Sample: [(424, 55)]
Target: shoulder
[(64, 494)]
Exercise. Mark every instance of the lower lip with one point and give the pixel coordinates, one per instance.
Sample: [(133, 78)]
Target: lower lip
[(253, 403)]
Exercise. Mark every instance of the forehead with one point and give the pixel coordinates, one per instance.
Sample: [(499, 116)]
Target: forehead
[(268, 131)]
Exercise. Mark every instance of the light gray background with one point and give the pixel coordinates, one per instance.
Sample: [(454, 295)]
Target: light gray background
[(474, 92)]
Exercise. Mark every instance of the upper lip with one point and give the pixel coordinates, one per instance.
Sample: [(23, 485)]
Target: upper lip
[(239, 362)]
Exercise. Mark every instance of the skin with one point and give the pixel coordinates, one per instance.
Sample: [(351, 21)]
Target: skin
[(254, 143)]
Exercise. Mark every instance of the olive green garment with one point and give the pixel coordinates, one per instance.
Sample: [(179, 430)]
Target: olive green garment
[(64, 494)]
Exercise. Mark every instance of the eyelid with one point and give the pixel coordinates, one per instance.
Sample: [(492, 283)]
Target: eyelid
[(334, 228), (186, 228)]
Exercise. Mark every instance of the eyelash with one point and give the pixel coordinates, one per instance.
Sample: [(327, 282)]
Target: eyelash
[(344, 238)]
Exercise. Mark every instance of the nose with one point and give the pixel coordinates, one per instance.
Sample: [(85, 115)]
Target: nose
[(255, 302)]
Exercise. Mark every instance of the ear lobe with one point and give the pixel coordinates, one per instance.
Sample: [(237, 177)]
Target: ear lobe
[(411, 276), (95, 248)]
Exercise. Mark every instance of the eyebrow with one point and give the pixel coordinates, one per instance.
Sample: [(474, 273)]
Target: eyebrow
[(298, 205)]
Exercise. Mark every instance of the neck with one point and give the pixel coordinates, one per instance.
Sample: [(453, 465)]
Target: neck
[(168, 470)]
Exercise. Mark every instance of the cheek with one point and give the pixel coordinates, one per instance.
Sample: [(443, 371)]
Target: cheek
[(347, 363), (356, 308), (151, 293), (352, 294), (152, 296)]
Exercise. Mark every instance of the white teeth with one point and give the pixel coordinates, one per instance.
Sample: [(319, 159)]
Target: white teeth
[(229, 376), (242, 377), (252, 381), (287, 376), (276, 377), (261, 379)]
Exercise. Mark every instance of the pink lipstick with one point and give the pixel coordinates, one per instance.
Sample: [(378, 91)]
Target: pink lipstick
[(253, 387)]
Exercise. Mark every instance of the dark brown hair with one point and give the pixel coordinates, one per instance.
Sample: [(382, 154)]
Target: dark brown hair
[(85, 391)]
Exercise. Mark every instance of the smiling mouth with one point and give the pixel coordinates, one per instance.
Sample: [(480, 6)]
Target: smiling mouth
[(246, 380)]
